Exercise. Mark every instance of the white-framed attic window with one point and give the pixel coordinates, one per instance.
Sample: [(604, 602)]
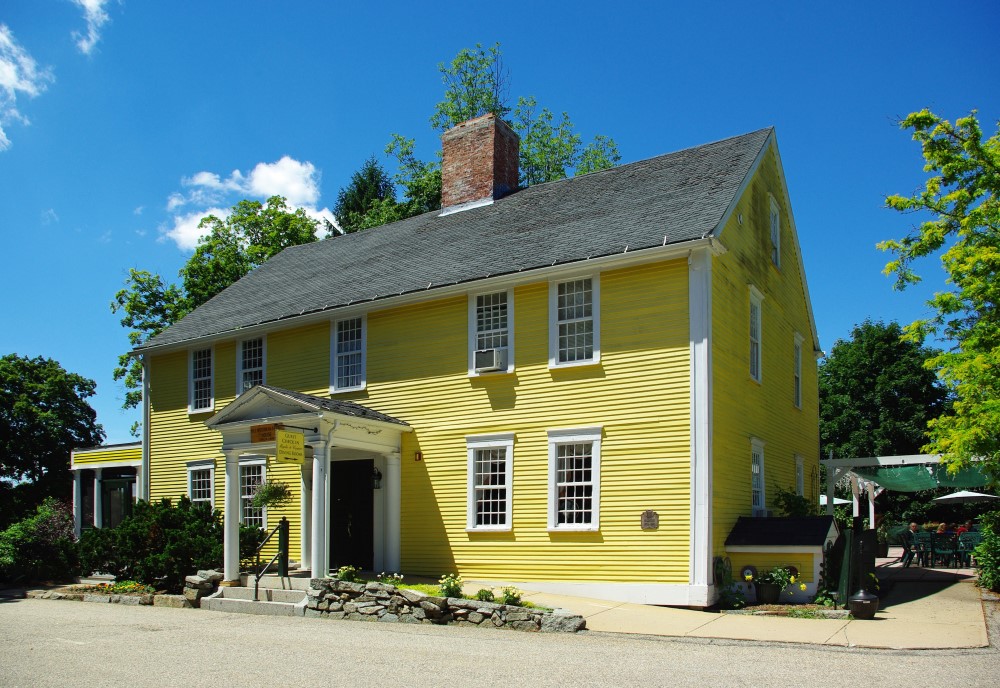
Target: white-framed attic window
[(348, 354), (491, 332), (575, 321), (201, 388), (775, 224), (758, 496), (490, 477), (756, 333)]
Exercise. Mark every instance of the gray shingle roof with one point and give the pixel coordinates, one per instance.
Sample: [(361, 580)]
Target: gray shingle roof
[(664, 200), (345, 408), (808, 531)]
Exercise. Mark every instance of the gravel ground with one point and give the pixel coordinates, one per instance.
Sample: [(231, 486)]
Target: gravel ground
[(58, 643)]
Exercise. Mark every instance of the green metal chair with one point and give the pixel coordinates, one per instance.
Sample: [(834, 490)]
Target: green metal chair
[(966, 544), (922, 546), (943, 550)]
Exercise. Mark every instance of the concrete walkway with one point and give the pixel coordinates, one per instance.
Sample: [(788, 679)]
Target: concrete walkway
[(923, 609)]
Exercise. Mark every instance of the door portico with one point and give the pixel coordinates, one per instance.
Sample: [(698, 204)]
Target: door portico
[(331, 429)]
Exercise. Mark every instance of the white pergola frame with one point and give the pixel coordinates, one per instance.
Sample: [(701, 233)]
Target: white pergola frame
[(837, 468)]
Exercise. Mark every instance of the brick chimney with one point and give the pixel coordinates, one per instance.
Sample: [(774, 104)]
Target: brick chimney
[(479, 162)]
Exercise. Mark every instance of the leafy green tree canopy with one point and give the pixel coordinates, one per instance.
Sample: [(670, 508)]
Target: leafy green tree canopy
[(475, 83), (44, 415), (960, 219), (371, 190), (875, 394), (235, 245)]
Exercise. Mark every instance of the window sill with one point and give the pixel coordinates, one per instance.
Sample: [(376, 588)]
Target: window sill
[(574, 529), (575, 364), (345, 390), (201, 411), (488, 529), (491, 373)]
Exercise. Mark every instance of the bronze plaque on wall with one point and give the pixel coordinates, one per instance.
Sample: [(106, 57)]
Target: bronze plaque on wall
[(650, 520)]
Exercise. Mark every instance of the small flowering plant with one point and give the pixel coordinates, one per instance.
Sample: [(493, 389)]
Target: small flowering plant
[(782, 576), (451, 585), (390, 578)]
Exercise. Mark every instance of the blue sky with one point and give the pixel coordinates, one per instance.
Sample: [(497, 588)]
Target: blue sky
[(123, 122)]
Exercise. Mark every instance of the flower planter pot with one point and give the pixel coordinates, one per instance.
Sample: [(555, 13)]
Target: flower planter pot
[(767, 593)]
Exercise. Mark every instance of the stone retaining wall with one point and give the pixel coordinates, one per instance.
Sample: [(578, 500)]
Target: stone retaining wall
[(335, 599)]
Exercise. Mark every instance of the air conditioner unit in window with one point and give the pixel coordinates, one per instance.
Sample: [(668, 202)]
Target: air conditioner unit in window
[(486, 360)]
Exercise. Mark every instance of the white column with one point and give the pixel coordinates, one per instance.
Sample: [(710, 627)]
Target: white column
[(319, 524), (77, 503), (305, 539), (393, 492), (138, 484), (98, 500), (231, 518), (700, 342)]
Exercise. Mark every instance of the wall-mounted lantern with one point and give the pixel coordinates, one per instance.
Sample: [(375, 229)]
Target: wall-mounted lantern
[(376, 479)]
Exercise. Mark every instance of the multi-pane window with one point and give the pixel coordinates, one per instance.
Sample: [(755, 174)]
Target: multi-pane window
[(797, 371), (349, 354), (201, 380), (251, 363), (757, 503), (251, 475), (775, 234), (200, 485), (574, 474), (491, 321), (490, 472), (800, 479), (755, 334), (576, 330)]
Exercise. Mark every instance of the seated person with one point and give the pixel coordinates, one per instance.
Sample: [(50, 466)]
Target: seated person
[(964, 528), (908, 548)]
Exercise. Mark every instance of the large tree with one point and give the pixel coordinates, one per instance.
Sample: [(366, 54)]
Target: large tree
[(44, 415), (875, 394), (233, 246), (476, 82), (958, 217), (370, 196)]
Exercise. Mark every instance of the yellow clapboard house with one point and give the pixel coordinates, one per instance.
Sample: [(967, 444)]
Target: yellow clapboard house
[(580, 385)]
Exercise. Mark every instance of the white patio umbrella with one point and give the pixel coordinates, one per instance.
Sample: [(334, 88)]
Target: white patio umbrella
[(836, 500), (965, 496)]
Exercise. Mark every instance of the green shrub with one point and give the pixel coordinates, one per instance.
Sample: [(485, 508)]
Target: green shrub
[(41, 547), (987, 553), (348, 573), (485, 595), (159, 544), (510, 595), (792, 504), (250, 539), (451, 585)]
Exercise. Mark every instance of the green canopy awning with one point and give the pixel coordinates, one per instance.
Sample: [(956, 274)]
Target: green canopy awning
[(926, 477)]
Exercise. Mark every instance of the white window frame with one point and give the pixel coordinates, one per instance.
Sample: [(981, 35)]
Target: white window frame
[(195, 466), (758, 482), (474, 443), (775, 227), (240, 370), (336, 353), (246, 463), (595, 317), (797, 370), (568, 436), (192, 380), (756, 339), (474, 332), (800, 476)]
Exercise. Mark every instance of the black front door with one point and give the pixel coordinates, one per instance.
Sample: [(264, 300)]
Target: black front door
[(352, 526)]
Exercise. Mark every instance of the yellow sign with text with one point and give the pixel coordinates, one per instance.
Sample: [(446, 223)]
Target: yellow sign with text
[(291, 447)]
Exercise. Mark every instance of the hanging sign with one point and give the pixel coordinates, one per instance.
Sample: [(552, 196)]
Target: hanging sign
[(262, 433), (291, 447)]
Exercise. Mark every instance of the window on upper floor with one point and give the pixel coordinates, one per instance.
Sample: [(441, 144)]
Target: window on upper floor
[(252, 355), (797, 370), (491, 336), (775, 233), (348, 354), (758, 504), (251, 475), (574, 322), (491, 459), (201, 483), (756, 299), (575, 479), (200, 388)]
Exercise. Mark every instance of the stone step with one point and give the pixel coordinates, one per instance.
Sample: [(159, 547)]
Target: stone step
[(297, 582), (265, 594), (236, 606)]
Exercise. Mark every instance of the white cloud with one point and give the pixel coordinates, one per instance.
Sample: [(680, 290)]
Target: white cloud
[(96, 17), (296, 181), (138, 210), (185, 232), (49, 216), (19, 75)]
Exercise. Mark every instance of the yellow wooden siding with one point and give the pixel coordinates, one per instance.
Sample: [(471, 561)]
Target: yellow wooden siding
[(417, 370), (108, 455), (744, 408)]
